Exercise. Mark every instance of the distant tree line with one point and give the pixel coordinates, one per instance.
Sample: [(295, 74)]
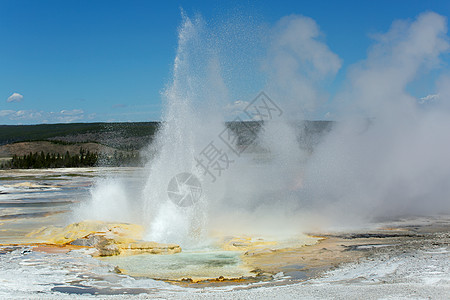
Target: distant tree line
[(97, 131), (82, 159)]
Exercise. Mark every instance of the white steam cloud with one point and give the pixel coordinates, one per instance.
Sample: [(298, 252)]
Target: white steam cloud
[(298, 61), (397, 160), (387, 155)]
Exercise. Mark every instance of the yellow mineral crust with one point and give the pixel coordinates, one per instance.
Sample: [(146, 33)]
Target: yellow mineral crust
[(267, 256), (246, 244), (107, 238), (260, 245)]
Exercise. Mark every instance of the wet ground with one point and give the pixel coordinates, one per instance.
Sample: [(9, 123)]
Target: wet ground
[(31, 199)]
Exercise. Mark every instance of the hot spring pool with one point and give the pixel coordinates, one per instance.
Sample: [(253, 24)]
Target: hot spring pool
[(195, 265)]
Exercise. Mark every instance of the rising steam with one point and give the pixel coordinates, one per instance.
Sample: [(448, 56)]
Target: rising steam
[(396, 162)]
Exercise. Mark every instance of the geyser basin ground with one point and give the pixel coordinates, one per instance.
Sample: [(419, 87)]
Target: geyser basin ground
[(403, 258), (38, 212)]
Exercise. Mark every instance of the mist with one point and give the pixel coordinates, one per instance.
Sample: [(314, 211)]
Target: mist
[(388, 154)]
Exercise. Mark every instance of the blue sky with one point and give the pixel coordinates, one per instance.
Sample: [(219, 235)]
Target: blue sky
[(88, 61)]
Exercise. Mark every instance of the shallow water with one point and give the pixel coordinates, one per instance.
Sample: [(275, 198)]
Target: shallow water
[(24, 271), (31, 199), (195, 265)]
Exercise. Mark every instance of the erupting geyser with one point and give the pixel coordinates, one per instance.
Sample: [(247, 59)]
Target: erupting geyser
[(176, 145)]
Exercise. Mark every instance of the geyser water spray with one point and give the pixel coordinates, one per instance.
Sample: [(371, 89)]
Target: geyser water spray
[(176, 145)]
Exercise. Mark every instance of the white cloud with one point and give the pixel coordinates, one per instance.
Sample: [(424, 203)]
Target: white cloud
[(32, 116), (429, 98), (4, 113), (25, 115), (15, 97), (67, 116), (72, 112)]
